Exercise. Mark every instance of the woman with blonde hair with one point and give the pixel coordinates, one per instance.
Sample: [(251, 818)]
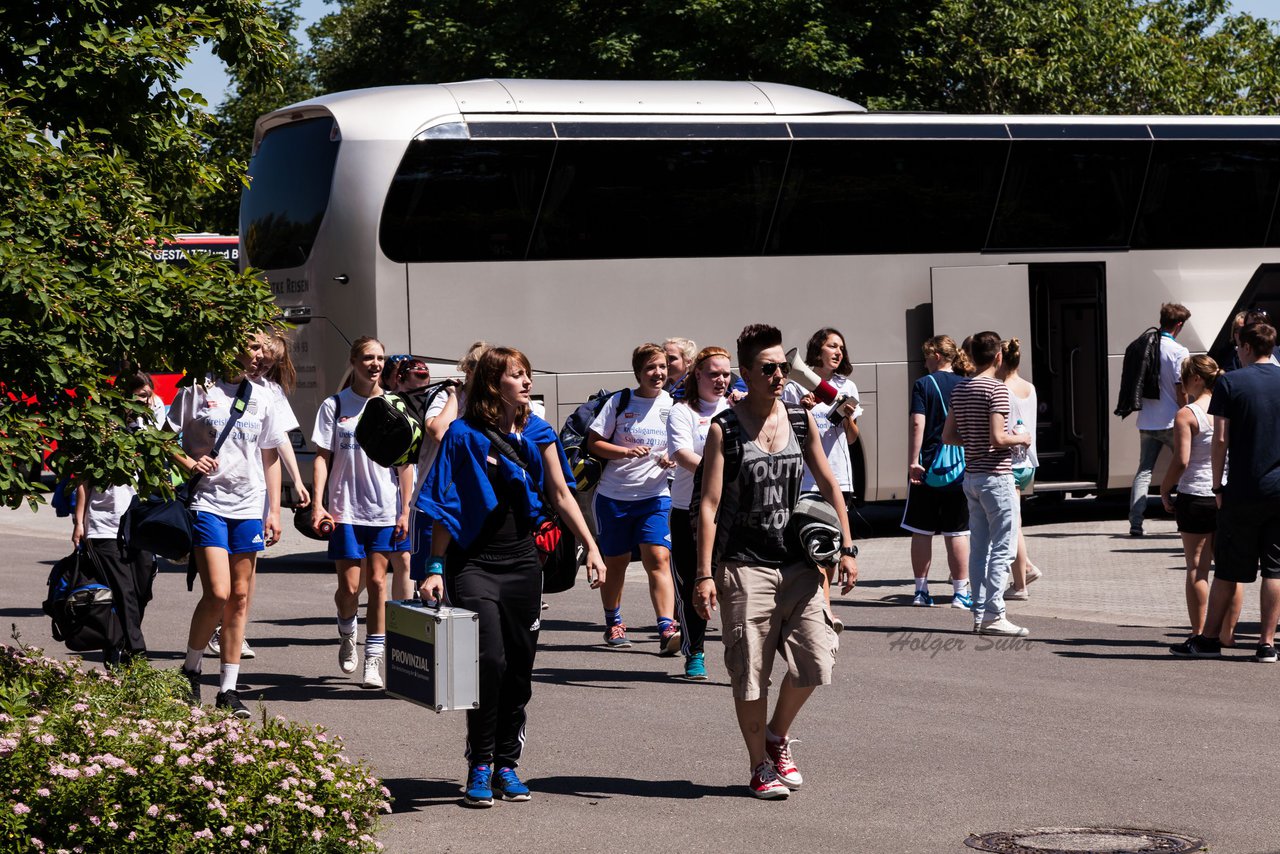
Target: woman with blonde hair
[(370, 510), (498, 469), (705, 390), (1023, 410), (1196, 507)]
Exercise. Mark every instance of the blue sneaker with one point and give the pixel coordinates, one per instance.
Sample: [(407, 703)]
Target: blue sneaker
[(922, 599), (695, 667), (479, 787), (962, 600), (509, 786)]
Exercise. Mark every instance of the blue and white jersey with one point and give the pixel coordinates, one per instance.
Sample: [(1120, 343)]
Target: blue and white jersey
[(361, 492), (642, 422), (238, 488)]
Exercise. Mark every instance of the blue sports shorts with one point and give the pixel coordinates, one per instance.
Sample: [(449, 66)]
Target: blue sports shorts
[(234, 536), (626, 525), (356, 542)]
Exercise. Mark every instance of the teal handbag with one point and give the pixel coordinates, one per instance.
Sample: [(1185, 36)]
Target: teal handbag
[(948, 461)]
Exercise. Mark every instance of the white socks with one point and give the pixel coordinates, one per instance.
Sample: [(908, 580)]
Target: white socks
[(195, 660), (230, 673)]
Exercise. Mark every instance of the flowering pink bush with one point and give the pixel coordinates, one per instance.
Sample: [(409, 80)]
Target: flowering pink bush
[(92, 762)]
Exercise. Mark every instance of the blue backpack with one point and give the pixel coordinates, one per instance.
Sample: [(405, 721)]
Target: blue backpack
[(948, 461)]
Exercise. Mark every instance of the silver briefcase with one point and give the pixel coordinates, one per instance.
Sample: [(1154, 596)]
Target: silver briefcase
[(433, 655)]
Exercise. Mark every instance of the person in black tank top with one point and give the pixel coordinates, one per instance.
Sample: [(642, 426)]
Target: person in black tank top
[(770, 599)]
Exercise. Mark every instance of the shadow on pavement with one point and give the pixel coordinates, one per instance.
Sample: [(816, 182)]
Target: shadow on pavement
[(20, 612), (583, 677), (410, 794), (603, 788)]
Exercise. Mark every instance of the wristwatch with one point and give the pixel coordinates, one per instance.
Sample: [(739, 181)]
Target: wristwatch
[(849, 551)]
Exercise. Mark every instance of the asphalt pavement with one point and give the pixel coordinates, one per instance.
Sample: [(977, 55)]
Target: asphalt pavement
[(928, 734)]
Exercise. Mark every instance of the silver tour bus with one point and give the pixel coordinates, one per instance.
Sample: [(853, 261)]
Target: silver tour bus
[(577, 219)]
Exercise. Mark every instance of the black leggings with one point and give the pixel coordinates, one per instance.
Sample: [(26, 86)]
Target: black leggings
[(507, 595), (684, 568)]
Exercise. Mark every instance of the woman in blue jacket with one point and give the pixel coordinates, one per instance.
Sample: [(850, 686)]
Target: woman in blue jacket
[(486, 509)]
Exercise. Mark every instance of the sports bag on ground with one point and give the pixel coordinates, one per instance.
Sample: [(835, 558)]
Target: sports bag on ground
[(557, 546), (586, 467), (80, 605), (947, 465), (392, 426)]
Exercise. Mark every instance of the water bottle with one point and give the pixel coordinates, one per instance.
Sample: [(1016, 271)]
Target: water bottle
[(1020, 451)]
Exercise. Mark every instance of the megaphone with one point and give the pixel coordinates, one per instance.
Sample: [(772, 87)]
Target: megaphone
[(842, 405)]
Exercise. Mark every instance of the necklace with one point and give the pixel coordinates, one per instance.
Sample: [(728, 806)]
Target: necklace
[(767, 444)]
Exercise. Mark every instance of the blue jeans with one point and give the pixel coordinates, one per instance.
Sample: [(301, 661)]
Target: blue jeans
[(993, 539), (1151, 443)]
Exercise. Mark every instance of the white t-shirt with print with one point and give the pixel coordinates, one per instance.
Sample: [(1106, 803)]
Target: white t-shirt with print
[(642, 422), (687, 429), (834, 443), (361, 492), (238, 488)]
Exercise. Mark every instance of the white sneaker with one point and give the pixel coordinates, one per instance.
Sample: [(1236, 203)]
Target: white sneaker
[(347, 652), (214, 646), (372, 672), (246, 651), (1002, 627), (1033, 573), (1017, 595)]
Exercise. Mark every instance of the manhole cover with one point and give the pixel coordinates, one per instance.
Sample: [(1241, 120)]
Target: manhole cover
[(1085, 840)]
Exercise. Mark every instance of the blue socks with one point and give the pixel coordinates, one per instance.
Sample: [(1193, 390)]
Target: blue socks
[(613, 616), (374, 645), (664, 623)]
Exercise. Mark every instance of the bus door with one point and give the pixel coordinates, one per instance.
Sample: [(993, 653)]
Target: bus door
[(1068, 355), (1058, 313)]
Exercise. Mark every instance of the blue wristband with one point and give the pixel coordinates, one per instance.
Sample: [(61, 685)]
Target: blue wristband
[(435, 565)]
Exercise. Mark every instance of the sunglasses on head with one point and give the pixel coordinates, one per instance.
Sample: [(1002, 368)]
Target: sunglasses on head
[(768, 368)]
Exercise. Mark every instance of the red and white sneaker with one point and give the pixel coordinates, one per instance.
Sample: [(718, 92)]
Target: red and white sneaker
[(765, 783), (779, 752)]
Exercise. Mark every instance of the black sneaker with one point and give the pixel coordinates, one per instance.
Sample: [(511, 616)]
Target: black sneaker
[(1197, 646), (1266, 653), (230, 700), (193, 685)]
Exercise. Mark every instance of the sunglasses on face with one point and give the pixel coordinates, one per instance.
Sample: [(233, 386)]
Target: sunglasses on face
[(768, 368)]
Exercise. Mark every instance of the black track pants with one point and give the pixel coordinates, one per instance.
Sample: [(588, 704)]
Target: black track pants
[(684, 568), (130, 583), (508, 598)]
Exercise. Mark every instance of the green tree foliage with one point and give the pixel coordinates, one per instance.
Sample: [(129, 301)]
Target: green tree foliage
[(97, 148), (251, 96), (384, 42), (1096, 56)]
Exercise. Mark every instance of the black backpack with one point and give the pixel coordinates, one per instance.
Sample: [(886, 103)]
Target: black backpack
[(392, 426), (81, 606), (732, 429), (585, 466), (1139, 373)]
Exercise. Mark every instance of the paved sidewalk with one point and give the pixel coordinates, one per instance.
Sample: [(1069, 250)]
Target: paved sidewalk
[(926, 734)]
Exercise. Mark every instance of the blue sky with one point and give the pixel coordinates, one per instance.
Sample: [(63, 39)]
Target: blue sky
[(206, 74)]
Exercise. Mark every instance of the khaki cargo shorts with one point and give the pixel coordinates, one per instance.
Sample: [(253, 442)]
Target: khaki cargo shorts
[(764, 610)]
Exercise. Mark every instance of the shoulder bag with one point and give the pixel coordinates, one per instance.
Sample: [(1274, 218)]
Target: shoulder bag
[(557, 546), (948, 461)]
